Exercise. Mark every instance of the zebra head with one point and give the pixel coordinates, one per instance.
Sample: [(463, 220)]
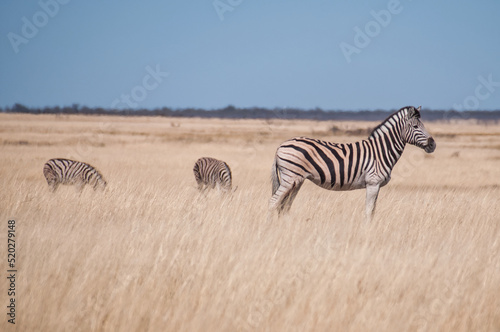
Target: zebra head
[(415, 132), (100, 183)]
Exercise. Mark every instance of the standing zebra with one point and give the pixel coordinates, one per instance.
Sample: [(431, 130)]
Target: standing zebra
[(335, 166), (211, 172), (65, 171)]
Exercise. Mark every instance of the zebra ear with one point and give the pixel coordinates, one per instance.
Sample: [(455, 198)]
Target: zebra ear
[(414, 112)]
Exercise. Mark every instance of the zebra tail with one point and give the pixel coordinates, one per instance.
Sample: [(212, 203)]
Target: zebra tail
[(275, 177)]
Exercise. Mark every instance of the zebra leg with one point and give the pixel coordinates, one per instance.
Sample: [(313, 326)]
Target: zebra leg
[(226, 189), (219, 187), (53, 186), (52, 180), (283, 197), (371, 200), (288, 200), (276, 201), (197, 177), (212, 185), (79, 186)]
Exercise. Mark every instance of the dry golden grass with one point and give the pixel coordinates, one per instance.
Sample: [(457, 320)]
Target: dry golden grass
[(151, 253)]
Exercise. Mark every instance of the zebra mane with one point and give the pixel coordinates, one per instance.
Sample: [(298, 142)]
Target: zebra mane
[(410, 111)]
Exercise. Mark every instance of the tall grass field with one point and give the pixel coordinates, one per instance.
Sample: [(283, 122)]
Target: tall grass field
[(151, 253)]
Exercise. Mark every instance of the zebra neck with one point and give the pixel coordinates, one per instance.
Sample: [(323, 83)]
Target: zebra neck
[(389, 142)]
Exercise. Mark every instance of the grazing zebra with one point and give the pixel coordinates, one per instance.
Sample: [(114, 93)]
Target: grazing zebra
[(65, 171), (335, 166), (211, 172)]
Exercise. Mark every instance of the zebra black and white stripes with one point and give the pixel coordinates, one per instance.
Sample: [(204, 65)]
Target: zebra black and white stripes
[(66, 171), (211, 173), (347, 166)]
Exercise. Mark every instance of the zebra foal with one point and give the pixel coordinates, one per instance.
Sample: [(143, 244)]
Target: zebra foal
[(211, 173), (336, 166), (71, 172)]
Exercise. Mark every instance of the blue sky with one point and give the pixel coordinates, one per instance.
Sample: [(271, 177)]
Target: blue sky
[(342, 55)]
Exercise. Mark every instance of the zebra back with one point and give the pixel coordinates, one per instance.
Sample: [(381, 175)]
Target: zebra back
[(65, 171), (211, 172)]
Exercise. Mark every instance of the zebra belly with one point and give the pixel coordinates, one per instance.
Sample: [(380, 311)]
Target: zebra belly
[(71, 181), (358, 183)]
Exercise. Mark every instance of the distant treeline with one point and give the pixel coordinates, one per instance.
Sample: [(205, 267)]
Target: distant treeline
[(231, 112)]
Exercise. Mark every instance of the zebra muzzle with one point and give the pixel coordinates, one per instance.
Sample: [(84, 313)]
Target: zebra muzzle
[(431, 145)]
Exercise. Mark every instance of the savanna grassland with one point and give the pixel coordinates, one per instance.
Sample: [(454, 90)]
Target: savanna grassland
[(151, 253)]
